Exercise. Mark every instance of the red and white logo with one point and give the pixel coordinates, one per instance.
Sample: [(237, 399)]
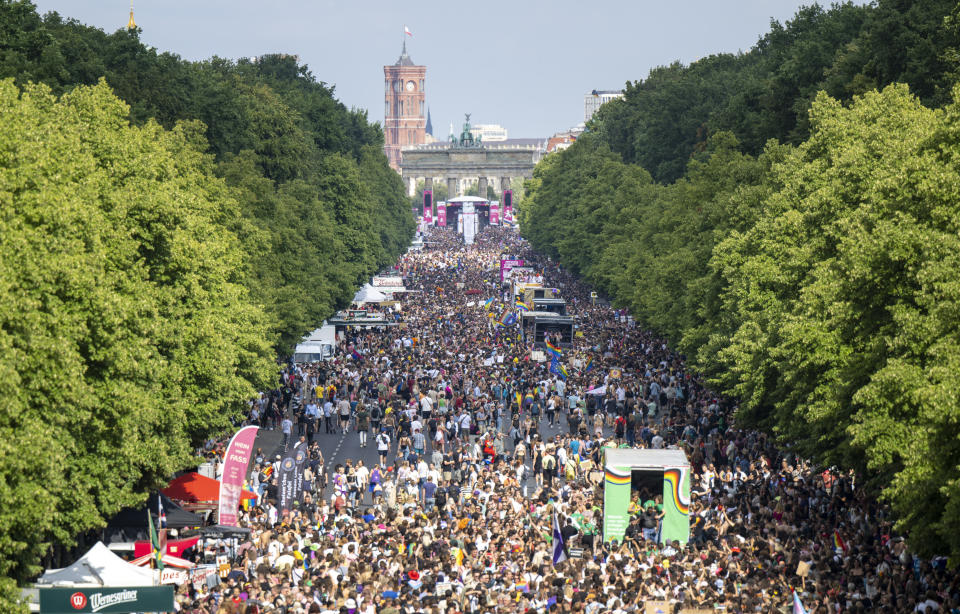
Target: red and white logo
[(78, 601)]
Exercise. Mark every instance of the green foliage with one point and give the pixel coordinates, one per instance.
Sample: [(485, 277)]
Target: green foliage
[(127, 334), (766, 92), (321, 208), (845, 293), (801, 249), (145, 284)]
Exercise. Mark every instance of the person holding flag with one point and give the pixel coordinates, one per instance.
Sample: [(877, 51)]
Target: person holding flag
[(559, 547), (558, 369), (552, 349), (797, 605)]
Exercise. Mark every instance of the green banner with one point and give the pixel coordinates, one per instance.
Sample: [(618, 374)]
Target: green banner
[(616, 501), (106, 599)]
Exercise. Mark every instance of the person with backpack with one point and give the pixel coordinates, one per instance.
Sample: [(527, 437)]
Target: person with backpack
[(440, 497), (363, 424), (376, 415), (549, 467), (383, 447)]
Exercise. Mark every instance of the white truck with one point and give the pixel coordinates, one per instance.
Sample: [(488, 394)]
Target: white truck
[(317, 346)]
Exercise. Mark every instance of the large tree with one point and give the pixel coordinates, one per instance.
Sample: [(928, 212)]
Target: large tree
[(126, 333)]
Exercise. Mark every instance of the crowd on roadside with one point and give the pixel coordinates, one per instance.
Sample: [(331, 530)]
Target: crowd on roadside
[(457, 514)]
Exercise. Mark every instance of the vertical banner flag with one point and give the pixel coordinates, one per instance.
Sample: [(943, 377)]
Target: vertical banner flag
[(508, 205), (428, 206), (494, 214), (442, 214), (299, 462), (288, 483), (236, 460), (161, 515), (155, 545), (559, 549)]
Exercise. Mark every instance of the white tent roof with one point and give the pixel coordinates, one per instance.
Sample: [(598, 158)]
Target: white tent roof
[(98, 567), (369, 294)]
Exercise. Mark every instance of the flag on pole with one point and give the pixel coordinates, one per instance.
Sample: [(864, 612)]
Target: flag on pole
[(559, 550), (838, 545), (521, 306), (797, 606), (407, 31), (161, 515), (155, 542), (552, 349), (487, 303), (557, 369), (589, 365)]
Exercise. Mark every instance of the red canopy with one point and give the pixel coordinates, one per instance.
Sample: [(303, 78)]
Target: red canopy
[(194, 488), (174, 546)]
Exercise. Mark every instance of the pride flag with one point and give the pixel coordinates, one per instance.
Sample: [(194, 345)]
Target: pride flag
[(522, 306), (589, 365), (554, 350), (838, 544)]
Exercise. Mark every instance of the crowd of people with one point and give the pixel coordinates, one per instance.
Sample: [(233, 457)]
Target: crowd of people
[(480, 447)]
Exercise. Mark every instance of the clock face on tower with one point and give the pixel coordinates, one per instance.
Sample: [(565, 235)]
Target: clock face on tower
[(411, 86)]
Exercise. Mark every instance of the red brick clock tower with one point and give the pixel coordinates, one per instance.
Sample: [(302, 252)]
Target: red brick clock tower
[(404, 121)]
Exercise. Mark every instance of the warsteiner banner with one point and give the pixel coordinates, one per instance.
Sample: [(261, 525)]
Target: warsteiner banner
[(106, 599)]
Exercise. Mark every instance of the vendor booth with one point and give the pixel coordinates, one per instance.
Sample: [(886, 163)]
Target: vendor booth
[(648, 473), (198, 492), (100, 581)]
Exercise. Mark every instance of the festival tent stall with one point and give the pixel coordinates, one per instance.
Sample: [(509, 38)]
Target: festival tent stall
[(369, 294), (168, 559), (98, 567), (177, 517), (175, 547), (197, 491)]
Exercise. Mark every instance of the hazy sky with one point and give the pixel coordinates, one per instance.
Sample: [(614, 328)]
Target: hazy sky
[(524, 64)]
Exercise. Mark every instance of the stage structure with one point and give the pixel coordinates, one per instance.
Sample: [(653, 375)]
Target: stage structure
[(626, 470)]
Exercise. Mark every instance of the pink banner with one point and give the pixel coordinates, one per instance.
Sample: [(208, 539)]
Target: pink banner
[(441, 214), (494, 214), (508, 265), (507, 205), (235, 465), (428, 206)]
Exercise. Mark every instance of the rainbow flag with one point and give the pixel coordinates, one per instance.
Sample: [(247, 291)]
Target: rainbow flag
[(838, 544), (589, 365), (552, 349), (522, 306)]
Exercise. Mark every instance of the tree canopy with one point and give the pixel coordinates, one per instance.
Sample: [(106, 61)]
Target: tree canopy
[(169, 228), (787, 218)]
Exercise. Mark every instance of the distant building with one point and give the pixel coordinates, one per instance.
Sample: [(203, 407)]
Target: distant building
[(562, 140), (489, 133), (597, 98), (404, 116)]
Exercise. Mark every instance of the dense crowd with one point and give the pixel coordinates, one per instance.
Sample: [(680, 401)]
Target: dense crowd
[(480, 446)]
